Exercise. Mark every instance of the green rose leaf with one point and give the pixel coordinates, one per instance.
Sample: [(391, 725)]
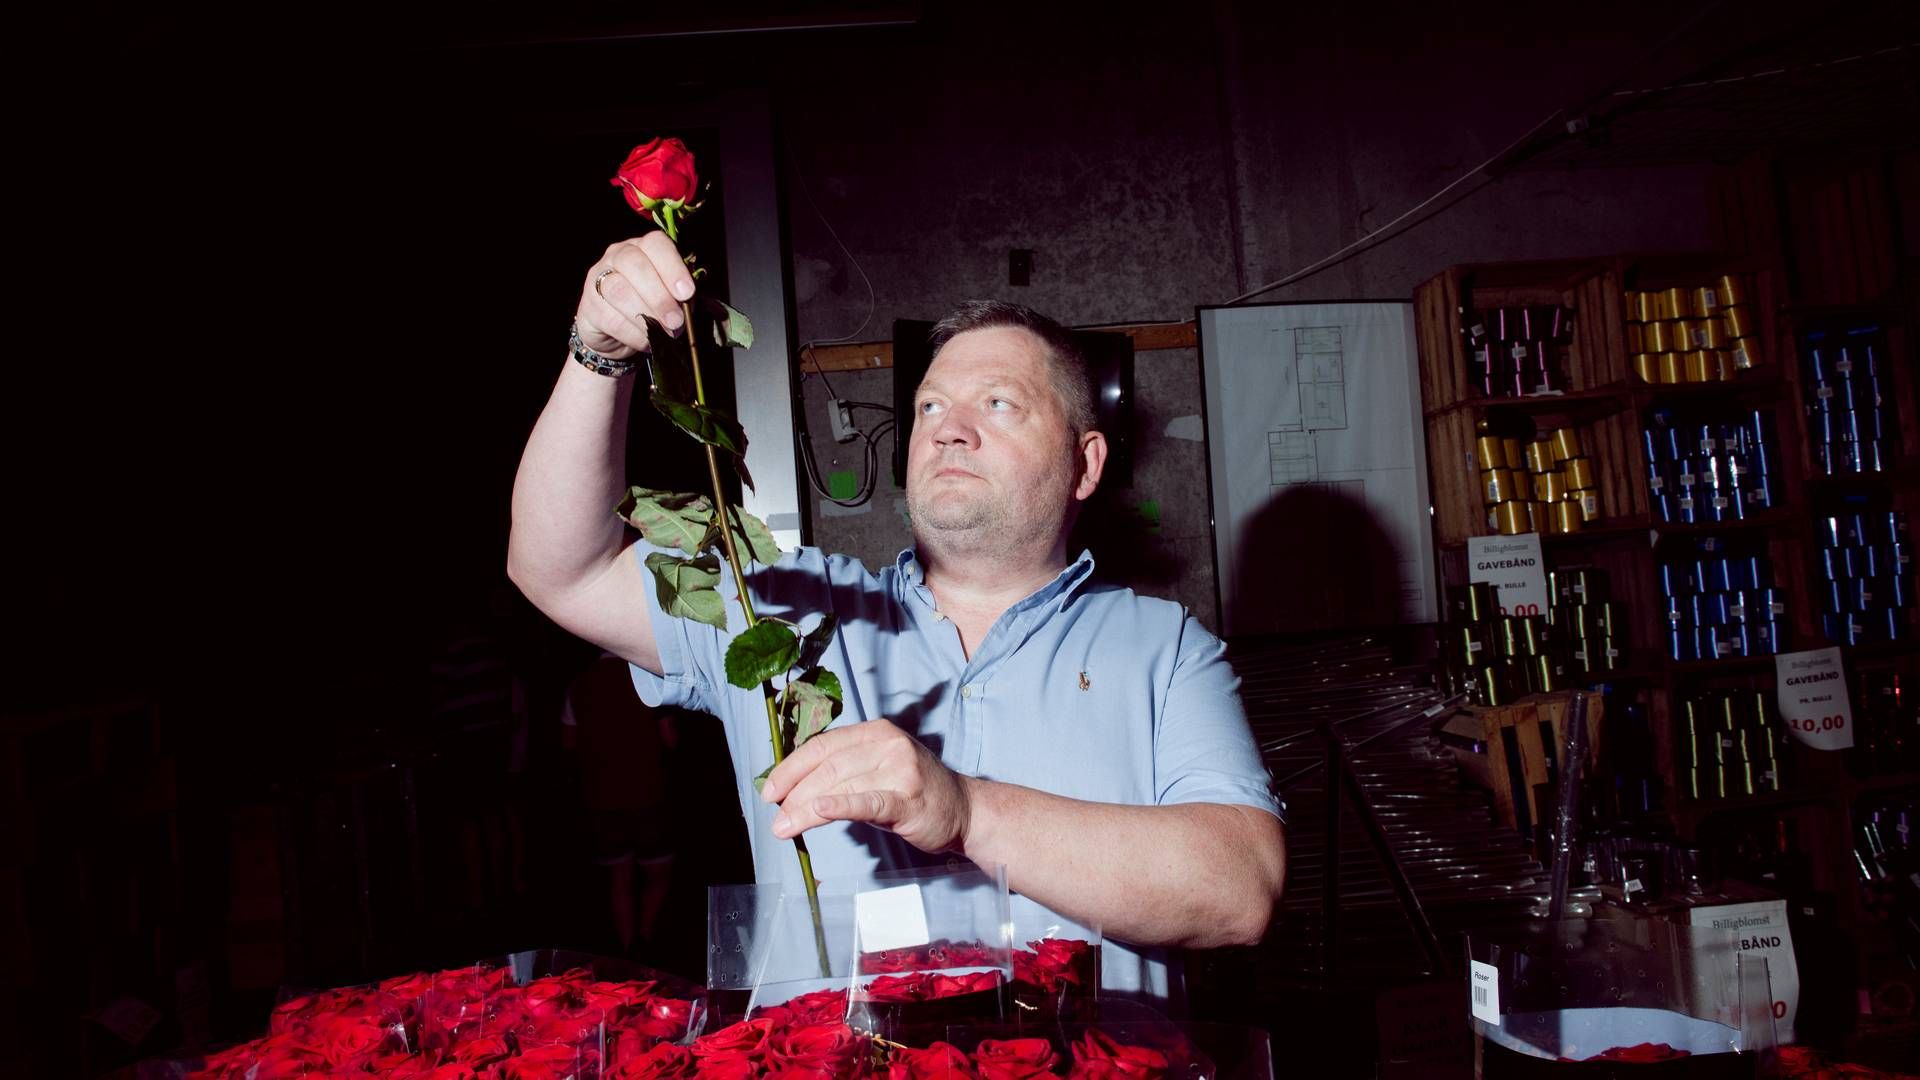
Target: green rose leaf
[(730, 327), (813, 708), (761, 780), (709, 426), (685, 587), (759, 538), (814, 646), (669, 518), (669, 368), (828, 682), (769, 649)]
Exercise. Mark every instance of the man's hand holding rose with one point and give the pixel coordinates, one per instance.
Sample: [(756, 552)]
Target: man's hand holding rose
[(876, 773)]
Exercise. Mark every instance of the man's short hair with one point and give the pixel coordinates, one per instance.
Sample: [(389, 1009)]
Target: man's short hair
[(1066, 364)]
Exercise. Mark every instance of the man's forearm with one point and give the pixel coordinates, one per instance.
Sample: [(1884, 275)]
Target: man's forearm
[(1200, 875), (571, 477)]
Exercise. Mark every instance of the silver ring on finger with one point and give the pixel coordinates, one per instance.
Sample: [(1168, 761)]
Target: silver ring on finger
[(600, 277)]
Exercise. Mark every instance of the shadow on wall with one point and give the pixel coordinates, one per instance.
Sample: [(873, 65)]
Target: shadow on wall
[(1315, 558)]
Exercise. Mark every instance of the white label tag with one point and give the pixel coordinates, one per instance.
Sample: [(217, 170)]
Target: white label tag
[(893, 918), (1514, 567), (1814, 703), (1484, 979)]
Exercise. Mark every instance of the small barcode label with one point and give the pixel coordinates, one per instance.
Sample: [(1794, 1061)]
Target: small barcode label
[(1485, 981)]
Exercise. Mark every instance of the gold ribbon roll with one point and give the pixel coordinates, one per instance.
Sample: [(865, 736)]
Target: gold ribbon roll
[(1743, 354), (1680, 302), (1546, 674), (1658, 337), (1636, 338), (1723, 365), (1492, 690), (1699, 367), (1539, 456), (1682, 332), (1706, 299), (1733, 289), (1658, 309), (1710, 334), (1516, 454), (1500, 485), (1566, 443), (1640, 306), (1490, 452), (1566, 517), (1737, 322), (1647, 366), (1672, 368), (1578, 472), (1540, 515), (1512, 518), (1589, 501), (1548, 487)]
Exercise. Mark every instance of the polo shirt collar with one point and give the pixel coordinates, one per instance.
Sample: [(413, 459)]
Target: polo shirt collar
[(1061, 587)]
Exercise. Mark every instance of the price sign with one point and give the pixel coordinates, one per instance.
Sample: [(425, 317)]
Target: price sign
[(1812, 688), (1514, 567)]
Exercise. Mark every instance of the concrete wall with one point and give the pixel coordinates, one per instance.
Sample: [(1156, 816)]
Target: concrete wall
[(1155, 165)]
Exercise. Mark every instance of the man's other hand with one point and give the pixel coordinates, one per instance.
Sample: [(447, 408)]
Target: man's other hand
[(876, 773)]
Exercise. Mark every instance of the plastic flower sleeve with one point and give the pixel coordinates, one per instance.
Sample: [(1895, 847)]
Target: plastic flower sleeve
[(929, 946), (1056, 963), (762, 950)]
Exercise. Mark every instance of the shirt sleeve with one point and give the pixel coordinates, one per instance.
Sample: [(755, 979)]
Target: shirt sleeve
[(1204, 751), (690, 651)]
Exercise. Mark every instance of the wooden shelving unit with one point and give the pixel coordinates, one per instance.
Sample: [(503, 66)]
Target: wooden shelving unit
[(1607, 404)]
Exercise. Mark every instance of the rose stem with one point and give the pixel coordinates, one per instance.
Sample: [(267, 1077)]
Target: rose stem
[(746, 608)]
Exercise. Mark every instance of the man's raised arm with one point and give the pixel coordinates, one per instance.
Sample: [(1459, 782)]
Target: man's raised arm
[(567, 550)]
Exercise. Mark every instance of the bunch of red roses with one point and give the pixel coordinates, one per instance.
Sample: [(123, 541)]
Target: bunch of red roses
[(764, 1049), (465, 1024)]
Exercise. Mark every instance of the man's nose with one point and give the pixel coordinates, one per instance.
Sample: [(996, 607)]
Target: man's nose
[(957, 426)]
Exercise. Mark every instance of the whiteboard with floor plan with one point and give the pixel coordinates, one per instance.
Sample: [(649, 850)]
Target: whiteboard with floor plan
[(1319, 472)]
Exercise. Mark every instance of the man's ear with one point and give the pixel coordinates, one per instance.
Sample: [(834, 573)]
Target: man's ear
[(1093, 461)]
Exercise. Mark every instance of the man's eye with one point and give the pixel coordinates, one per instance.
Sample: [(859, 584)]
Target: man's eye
[(999, 403), (928, 408)]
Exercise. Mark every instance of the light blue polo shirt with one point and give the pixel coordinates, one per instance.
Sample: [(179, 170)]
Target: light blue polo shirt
[(1082, 689)]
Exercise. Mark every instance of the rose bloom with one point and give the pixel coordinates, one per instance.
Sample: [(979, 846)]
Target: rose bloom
[(726, 1067), (657, 171), (550, 1063), (833, 1047), (941, 1061), (484, 1050), (819, 1007), (1015, 1059), (344, 1039), (940, 986), (663, 1062), (1098, 1056), (798, 1072), (896, 988), (748, 1038)]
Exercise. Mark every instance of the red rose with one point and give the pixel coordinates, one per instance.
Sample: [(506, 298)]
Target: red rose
[(451, 1071), (672, 1011), (1015, 1059), (833, 1047), (655, 172), (346, 1038), (1640, 1053), (897, 988), (725, 1067), (941, 1061), (569, 1027), (819, 1007), (801, 1072), (476, 1052), (665, 1061), (611, 996), (1060, 960), (748, 1038), (549, 1063), (939, 986), (1097, 1056)]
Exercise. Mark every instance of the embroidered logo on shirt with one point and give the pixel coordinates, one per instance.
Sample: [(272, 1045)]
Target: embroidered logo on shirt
[(1084, 684)]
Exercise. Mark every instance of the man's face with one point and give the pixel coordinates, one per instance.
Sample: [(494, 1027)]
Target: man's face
[(992, 458)]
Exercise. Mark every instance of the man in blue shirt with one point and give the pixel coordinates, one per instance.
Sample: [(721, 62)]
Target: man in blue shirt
[(998, 704)]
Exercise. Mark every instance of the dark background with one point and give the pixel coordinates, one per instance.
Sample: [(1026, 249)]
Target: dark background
[(290, 290)]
